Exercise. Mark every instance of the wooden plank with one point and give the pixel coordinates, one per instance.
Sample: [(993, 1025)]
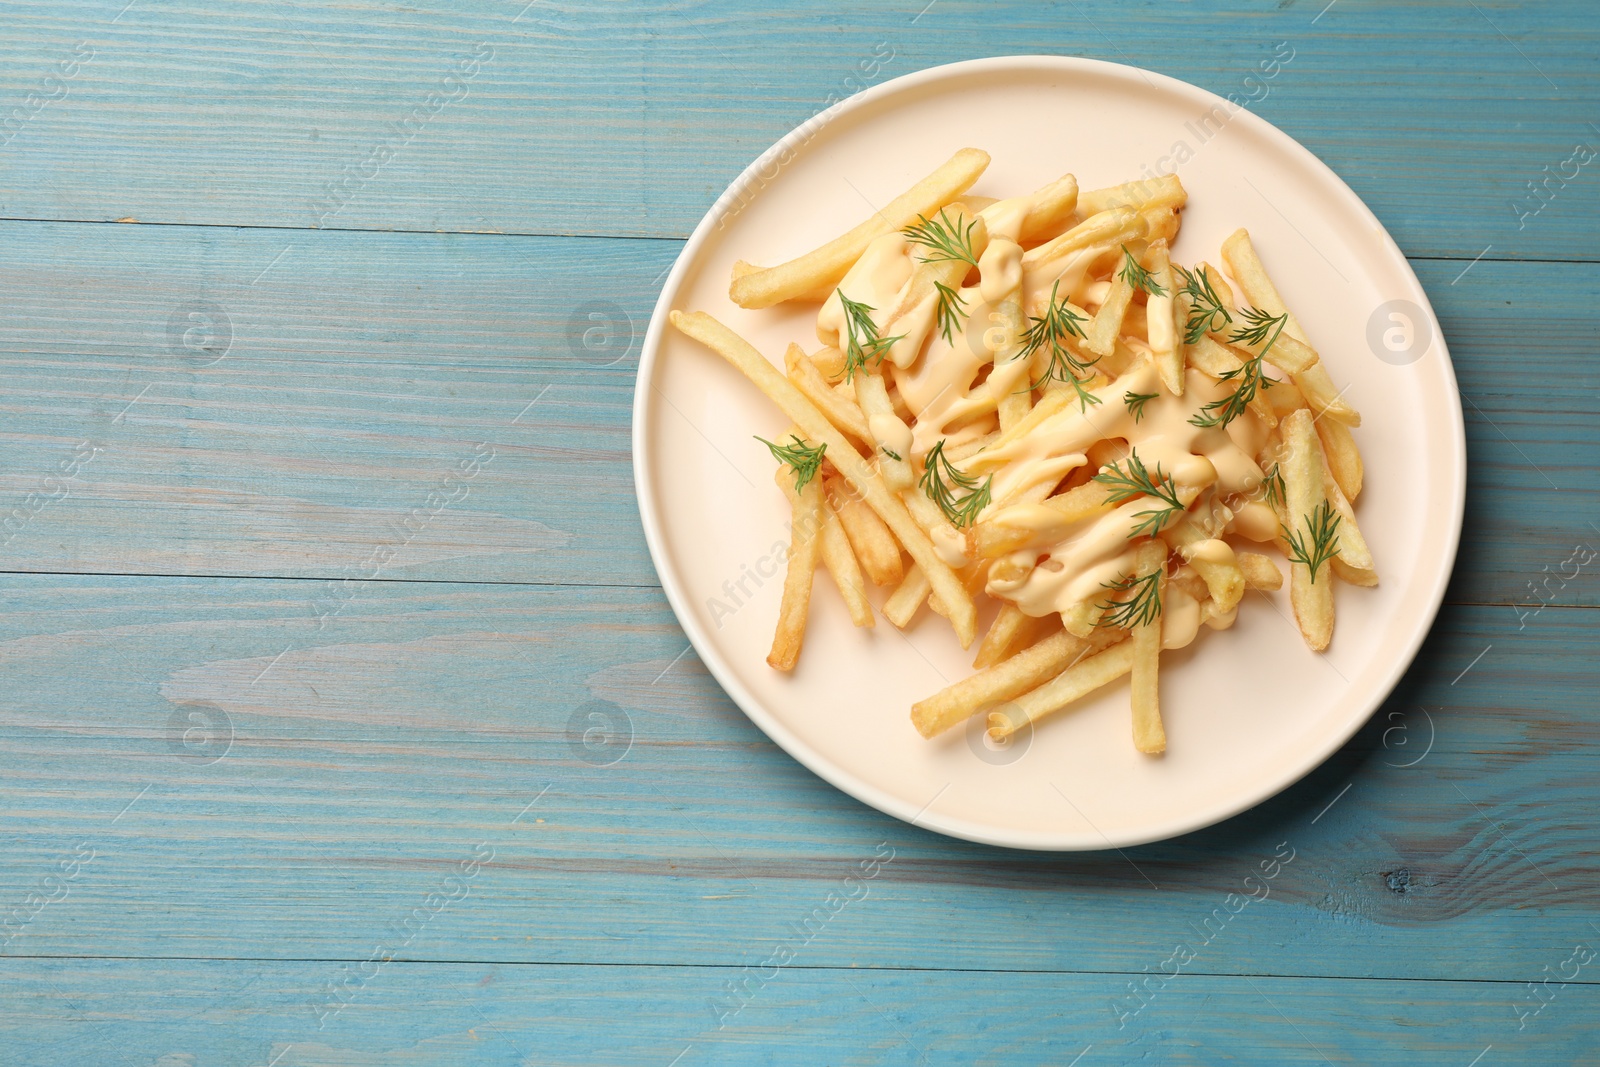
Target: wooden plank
[(255, 1013), (237, 772), (604, 119), (361, 369)]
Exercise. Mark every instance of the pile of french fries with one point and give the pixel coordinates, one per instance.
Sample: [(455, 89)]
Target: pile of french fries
[(1027, 398)]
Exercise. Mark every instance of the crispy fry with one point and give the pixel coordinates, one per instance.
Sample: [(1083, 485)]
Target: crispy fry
[(1108, 228), (914, 318), (1353, 563), (1024, 671), (1043, 213), (1259, 571), (823, 268), (1213, 560), (1161, 325), (1304, 491), (738, 352), (1071, 684), (829, 361), (842, 411), (1102, 333), (1165, 191), (891, 437), (841, 562), (902, 605), (1010, 630), (805, 548), (1148, 734), (1339, 447), (875, 547), (1018, 526)]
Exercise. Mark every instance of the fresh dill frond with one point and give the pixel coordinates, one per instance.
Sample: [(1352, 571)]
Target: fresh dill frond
[(1205, 306), (959, 495), (1137, 277), (1319, 542), (804, 460), (944, 239), (1276, 492), (1140, 608), (1263, 330), (1050, 334), (862, 343), (948, 314), (1136, 401), (891, 453), (1138, 481)]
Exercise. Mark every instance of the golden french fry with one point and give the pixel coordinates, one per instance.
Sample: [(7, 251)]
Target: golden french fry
[(1069, 685), (742, 356), (1082, 619), (875, 547), (829, 361), (1304, 492), (1043, 213), (841, 562), (823, 268), (1108, 228), (805, 548), (1101, 336), (1008, 630), (842, 411), (1339, 446), (1148, 734), (1213, 358), (1161, 224), (1165, 191), (1005, 680), (1213, 560), (1161, 325), (1259, 571), (1018, 526), (902, 605), (1354, 558), (915, 316), (890, 435)]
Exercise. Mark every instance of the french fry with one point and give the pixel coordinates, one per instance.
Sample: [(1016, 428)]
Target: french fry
[(891, 437), (743, 357), (902, 605), (1212, 358), (1213, 560), (1304, 491), (914, 317), (1103, 330), (875, 547), (1008, 630), (842, 411), (1259, 571), (1026, 670), (824, 267), (1339, 447), (1165, 191), (1353, 562), (1107, 228), (805, 548), (1149, 736), (1018, 526), (1070, 685), (1043, 213), (829, 362), (841, 562), (1161, 325)]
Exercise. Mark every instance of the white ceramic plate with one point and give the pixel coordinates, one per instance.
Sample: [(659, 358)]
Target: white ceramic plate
[(1247, 711)]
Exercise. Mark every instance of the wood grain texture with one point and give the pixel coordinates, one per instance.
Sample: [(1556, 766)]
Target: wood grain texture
[(359, 762), (330, 638), (251, 1013), (630, 119)]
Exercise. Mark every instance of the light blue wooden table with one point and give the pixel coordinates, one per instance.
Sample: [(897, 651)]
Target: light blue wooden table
[(345, 723)]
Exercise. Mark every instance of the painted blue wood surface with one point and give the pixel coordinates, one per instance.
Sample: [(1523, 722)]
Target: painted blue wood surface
[(229, 779)]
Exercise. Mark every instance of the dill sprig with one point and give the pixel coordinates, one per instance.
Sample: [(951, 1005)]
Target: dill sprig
[(1050, 332), (1319, 542), (944, 239), (1205, 306), (1137, 481), (1249, 378), (1137, 277), (941, 480), (863, 345), (1136, 402), (1140, 608), (1261, 325), (1272, 485), (948, 313), (804, 460)]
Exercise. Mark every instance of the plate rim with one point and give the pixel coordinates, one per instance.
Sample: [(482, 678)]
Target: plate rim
[(860, 788)]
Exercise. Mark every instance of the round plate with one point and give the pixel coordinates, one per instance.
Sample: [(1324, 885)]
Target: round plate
[(1248, 710)]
